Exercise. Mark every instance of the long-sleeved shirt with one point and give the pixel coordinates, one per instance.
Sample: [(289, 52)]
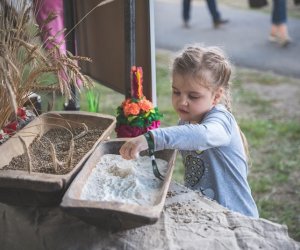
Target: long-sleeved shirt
[(214, 158)]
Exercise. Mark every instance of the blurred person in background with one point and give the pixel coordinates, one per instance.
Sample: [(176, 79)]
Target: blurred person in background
[(279, 31), (213, 10), (53, 34), (53, 29)]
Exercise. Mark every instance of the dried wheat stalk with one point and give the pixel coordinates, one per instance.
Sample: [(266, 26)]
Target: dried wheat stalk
[(54, 158), (24, 61), (60, 164), (83, 133), (70, 155), (26, 150)]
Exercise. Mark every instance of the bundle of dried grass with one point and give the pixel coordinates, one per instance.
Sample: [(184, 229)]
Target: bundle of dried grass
[(24, 62)]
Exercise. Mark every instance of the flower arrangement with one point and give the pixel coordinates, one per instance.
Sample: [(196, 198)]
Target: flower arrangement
[(136, 115), (24, 116)]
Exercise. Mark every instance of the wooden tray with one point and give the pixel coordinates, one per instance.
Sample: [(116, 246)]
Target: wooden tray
[(21, 188), (114, 216)]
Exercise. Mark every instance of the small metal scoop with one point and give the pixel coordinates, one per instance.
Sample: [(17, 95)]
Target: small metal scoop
[(155, 168), (152, 156)]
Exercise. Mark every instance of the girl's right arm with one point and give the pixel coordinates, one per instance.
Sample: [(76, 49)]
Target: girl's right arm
[(214, 131)]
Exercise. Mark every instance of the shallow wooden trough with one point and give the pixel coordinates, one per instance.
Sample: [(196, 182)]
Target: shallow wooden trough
[(20, 187), (114, 216)]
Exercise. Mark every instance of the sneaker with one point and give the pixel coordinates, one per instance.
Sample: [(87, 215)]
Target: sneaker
[(220, 22), (273, 38), (285, 41)]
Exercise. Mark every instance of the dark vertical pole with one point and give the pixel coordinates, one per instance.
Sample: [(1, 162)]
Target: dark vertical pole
[(130, 43), (69, 23)]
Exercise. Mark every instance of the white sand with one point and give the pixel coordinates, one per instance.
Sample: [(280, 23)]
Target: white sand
[(127, 181)]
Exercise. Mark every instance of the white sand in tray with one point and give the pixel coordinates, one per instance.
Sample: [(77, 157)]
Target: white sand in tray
[(127, 181)]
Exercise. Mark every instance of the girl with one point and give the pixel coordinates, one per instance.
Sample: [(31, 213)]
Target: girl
[(213, 147)]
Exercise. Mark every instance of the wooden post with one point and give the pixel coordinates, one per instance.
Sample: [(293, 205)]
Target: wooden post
[(69, 23), (130, 42)]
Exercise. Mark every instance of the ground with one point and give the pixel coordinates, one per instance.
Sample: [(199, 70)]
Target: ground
[(282, 94), (268, 107)]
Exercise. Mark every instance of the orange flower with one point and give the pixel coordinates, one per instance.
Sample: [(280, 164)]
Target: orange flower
[(145, 105), (131, 109), (125, 102)]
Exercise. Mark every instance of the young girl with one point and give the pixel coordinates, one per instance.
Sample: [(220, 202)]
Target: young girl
[(213, 147)]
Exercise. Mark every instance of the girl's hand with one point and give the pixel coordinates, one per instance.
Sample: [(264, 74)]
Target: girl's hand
[(132, 148)]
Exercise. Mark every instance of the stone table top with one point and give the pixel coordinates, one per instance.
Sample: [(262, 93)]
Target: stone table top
[(188, 221)]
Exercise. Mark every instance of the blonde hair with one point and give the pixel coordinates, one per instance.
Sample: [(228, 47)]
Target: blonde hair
[(211, 67)]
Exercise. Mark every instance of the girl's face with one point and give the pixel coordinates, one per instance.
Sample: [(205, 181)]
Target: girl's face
[(191, 100)]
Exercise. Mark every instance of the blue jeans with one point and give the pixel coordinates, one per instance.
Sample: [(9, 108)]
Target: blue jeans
[(279, 12), (186, 10), (212, 7)]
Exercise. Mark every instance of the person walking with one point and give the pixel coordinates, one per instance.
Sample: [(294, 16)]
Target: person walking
[(279, 31), (213, 10)]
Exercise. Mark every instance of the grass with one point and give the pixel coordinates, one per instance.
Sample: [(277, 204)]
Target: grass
[(274, 139), (274, 144)]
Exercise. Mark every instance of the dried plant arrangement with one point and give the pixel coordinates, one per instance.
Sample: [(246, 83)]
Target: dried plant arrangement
[(24, 66), (24, 62)]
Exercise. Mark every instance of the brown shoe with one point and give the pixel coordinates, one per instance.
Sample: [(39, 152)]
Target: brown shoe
[(220, 22)]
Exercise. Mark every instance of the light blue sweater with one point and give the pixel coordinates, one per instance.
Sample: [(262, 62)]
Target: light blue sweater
[(214, 158)]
